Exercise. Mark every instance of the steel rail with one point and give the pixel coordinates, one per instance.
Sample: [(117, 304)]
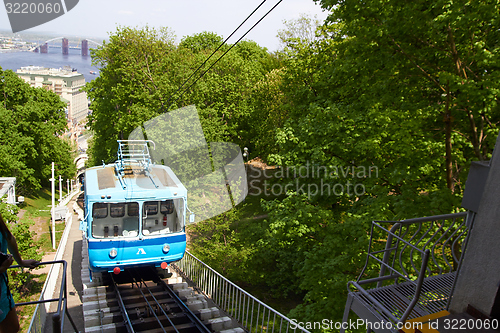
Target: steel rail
[(138, 281), (123, 309), (134, 278), (192, 317)]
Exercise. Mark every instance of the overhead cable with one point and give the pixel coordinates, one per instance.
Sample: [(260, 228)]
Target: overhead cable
[(202, 74), (217, 49)]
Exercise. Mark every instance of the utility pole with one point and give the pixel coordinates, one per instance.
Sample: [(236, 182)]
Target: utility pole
[(67, 185), (53, 180)]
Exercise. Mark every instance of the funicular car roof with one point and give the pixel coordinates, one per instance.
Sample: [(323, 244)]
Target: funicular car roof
[(160, 182)]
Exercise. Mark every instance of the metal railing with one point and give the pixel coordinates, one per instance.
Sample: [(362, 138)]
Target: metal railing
[(67, 198), (441, 236), (417, 261), (252, 314), (39, 317), (133, 151)]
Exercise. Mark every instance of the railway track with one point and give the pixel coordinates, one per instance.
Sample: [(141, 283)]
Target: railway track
[(147, 300)]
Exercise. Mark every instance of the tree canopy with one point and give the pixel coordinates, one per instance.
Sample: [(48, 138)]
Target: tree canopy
[(383, 108), (32, 121), (142, 75), (408, 91)]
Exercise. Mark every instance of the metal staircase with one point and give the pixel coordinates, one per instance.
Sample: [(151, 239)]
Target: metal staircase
[(417, 261)]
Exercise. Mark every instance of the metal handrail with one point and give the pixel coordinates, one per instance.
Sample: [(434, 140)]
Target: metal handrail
[(62, 305), (442, 236), (251, 313), (134, 150), (434, 244)]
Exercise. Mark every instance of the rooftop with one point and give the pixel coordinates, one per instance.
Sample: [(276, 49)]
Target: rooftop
[(65, 71)]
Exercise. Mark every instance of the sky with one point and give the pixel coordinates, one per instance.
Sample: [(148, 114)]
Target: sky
[(97, 18)]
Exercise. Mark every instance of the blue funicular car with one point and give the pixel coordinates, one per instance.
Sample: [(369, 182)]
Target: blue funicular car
[(135, 212)]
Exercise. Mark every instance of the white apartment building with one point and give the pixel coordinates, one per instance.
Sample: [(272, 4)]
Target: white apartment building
[(65, 83)]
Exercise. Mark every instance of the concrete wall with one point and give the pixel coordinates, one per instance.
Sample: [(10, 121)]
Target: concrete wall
[(479, 277)]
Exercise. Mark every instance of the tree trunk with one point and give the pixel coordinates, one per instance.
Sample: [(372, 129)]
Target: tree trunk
[(447, 121)]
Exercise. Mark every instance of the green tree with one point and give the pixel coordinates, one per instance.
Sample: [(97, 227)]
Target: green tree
[(132, 86), (142, 72), (217, 242), (395, 97), (439, 58), (201, 42), (373, 93), (33, 122), (299, 31)]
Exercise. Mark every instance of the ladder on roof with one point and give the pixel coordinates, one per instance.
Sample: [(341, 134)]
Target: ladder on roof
[(133, 152)]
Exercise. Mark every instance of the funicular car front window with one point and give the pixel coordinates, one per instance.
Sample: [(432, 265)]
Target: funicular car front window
[(163, 217), (115, 220), (100, 210), (117, 210)]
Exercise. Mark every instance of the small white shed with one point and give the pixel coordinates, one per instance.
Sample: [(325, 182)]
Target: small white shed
[(8, 186)]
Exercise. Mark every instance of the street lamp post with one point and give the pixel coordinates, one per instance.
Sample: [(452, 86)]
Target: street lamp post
[(53, 181)]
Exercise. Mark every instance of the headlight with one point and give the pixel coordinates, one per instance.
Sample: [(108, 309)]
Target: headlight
[(166, 248), (113, 253)]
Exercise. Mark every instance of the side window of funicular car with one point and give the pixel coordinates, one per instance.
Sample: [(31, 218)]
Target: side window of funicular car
[(99, 215)]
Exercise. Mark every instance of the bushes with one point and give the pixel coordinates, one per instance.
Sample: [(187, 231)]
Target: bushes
[(20, 282)]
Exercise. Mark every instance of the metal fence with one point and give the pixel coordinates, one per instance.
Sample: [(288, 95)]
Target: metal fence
[(39, 317), (417, 260), (251, 314)]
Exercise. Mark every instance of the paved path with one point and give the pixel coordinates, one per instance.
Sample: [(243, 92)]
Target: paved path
[(73, 256)]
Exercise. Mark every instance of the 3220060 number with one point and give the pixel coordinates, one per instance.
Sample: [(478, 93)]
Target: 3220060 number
[(463, 324), (32, 8)]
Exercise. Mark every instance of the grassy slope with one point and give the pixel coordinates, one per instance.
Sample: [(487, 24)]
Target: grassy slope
[(36, 212)]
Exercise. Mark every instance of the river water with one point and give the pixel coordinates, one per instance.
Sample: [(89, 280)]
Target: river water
[(53, 59)]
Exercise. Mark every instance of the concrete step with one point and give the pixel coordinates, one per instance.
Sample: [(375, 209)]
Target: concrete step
[(207, 313), (179, 285), (95, 290), (102, 318), (184, 293), (233, 330), (174, 280), (196, 305), (109, 328), (219, 324)]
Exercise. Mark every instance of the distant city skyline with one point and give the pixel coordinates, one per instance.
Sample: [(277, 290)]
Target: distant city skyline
[(96, 19)]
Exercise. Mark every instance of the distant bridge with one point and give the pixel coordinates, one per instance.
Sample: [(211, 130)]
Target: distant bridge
[(83, 45)]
